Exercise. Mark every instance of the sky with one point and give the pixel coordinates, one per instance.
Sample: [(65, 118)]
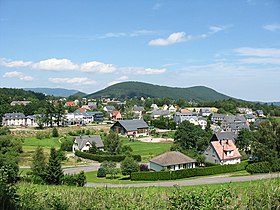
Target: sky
[(230, 46)]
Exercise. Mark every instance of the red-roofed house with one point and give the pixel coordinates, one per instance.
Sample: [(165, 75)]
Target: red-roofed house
[(70, 103), (116, 115), (222, 152)]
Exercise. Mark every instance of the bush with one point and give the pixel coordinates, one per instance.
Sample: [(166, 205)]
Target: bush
[(55, 132), (42, 135), (263, 167), (101, 158), (5, 131), (74, 179), (185, 173), (66, 145), (144, 167), (101, 172)]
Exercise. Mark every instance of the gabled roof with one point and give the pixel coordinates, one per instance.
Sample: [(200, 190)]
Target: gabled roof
[(82, 140), (70, 103), (221, 147), (160, 112), (172, 158), (223, 136), (132, 125), (138, 108)]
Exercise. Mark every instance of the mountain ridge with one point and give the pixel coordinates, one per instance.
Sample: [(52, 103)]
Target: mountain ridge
[(140, 89), (62, 92)]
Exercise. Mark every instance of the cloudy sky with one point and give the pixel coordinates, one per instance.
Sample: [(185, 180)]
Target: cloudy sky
[(230, 46)]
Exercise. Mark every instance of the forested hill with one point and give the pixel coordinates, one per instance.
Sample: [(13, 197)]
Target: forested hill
[(12, 94), (138, 89)]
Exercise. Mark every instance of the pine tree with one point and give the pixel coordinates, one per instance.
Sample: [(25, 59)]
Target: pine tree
[(54, 171), (38, 166)]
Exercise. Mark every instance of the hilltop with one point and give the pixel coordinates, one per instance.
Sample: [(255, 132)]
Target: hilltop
[(140, 89)]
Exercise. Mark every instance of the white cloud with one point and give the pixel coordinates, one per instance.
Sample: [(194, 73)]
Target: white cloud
[(259, 52), (18, 75), (272, 27), (55, 64), (14, 64), (143, 71), (261, 60), (118, 80), (172, 39), (74, 80), (95, 66)]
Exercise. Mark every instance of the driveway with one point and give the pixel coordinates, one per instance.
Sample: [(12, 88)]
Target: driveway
[(190, 182)]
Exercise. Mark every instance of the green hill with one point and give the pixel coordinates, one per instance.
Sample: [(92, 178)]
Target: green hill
[(140, 89), (55, 91)]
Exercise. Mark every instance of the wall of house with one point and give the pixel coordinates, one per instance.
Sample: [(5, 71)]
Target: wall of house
[(232, 161), (211, 156), (155, 167)]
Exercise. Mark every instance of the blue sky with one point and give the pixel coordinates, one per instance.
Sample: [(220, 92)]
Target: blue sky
[(230, 46)]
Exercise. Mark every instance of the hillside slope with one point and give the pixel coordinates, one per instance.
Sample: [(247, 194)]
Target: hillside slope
[(54, 91), (138, 89)]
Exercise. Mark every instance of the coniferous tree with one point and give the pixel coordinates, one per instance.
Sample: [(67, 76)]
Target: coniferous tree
[(54, 171), (38, 166)]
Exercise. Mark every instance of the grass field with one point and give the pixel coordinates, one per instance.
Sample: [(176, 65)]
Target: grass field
[(47, 142), (147, 150)]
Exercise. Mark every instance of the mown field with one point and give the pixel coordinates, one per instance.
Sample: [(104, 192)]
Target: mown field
[(261, 194)]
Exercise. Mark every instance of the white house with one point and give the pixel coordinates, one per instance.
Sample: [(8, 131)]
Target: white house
[(84, 143), (173, 161), (14, 119), (222, 152)]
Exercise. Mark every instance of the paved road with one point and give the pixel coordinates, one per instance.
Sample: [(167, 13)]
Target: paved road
[(198, 181)]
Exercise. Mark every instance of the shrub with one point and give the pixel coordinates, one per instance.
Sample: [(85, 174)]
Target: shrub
[(101, 158), (144, 167), (101, 172), (55, 132), (42, 135), (66, 145), (264, 167), (74, 179), (185, 173), (5, 131)]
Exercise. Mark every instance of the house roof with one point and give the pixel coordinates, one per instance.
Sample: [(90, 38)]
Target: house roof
[(160, 112), (14, 116), (223, 146), (172, 158), (110, 108), (224, 136), (82, 140), (138, 108), (132, 125), (70, 103)]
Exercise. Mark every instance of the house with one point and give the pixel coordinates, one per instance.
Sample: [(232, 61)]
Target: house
[(131, 128), (138, 111), (220, 136), (92, 105), (165, 107), (70, 103), (109, 109), (84, 143), (154, 107), (116, 115), (245, 110), (160, 113), (13, 103), (14, 119), (190, 116), (204, 112), (173, 161), (250, 118), (236, 127), (172, 108), (217, 117), (202, 122), (222, 152), (260, 113), (83, 118)]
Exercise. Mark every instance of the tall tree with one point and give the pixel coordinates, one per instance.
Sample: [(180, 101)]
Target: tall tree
[(245, 139), (190, 136), (54, 171), (266, 146), (129, 165), (112, 143), (38, 166)]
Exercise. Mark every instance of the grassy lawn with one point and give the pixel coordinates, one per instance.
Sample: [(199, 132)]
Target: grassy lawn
[(147, 150), (48, 142)]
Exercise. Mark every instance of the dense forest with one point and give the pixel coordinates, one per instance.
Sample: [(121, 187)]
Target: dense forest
[(137, 89)]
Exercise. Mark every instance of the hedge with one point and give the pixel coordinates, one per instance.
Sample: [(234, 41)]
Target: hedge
[(264, 167), (101, 158), (185, 173)]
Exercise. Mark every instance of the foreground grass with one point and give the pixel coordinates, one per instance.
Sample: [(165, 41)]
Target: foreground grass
[(261, 194)]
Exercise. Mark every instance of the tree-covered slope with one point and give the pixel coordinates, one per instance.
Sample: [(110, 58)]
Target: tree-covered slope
[(138, 89), (54, 91)]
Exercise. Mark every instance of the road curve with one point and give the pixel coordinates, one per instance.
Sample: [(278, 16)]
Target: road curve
[(191, 182)]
